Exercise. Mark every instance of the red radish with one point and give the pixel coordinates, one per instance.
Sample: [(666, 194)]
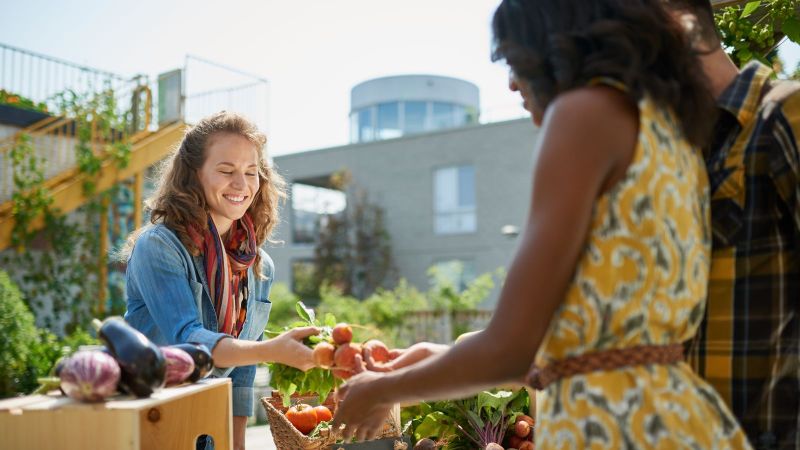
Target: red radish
[(514, 441), (323, 355), (345, 356), (528, 419), (522, 428), (527, 445), (342, 374), (378, 350), (90, 376), (179, 365), (342, 334)]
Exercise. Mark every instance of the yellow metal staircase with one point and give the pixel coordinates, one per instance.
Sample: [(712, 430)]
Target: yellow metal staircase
[(66, 187)]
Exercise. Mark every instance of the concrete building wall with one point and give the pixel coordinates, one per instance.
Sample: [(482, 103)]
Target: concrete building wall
[(398, 175)]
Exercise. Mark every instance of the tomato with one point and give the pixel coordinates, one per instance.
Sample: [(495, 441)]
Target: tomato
[(303, 417), (323, 413)]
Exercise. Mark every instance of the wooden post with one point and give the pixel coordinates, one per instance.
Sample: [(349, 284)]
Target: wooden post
[(138, 206), (102, 276)]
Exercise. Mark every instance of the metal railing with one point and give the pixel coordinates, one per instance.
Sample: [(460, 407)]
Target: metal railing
[(38, 80)]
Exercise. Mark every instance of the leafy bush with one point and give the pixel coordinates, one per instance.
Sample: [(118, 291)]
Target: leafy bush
[(26, 352), (19, 334)]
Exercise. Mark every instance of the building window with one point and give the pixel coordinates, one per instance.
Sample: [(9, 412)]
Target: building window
[(456, 273), (414, 114), (389, 121), (309, 205), (454, 200), (366, 132)]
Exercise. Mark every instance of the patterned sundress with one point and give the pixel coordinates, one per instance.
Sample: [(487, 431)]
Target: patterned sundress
[(640, 280)]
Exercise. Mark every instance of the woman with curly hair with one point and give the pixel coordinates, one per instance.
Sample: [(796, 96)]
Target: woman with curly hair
[(611, 271), (198, 273)]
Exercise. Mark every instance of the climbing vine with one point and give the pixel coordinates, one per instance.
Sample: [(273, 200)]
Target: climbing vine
[(58, 265)]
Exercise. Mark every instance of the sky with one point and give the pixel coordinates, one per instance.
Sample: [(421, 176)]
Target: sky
[(311, 52)]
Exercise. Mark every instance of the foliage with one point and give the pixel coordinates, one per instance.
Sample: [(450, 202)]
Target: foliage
[(282, 313), (353, 249), (30, 198), (753, 30), (26, 352), (288, 380), (63, 267), (18, 101), (469, 423), (19, 332)]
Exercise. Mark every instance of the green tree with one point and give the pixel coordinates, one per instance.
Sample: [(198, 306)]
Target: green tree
[(755, 29), (353, 252)]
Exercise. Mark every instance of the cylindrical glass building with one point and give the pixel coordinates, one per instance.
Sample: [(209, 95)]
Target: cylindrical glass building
[(391, 107)]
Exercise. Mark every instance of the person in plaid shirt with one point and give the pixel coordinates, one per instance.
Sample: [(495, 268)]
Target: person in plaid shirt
[(747, 346)]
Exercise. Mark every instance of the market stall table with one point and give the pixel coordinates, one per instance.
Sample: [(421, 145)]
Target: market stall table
[(170, 419)]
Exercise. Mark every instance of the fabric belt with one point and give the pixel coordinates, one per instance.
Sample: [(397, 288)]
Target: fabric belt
[(540, 377)]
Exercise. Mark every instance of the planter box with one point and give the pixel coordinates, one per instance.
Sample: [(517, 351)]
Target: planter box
[(11, 115), (170, 419)]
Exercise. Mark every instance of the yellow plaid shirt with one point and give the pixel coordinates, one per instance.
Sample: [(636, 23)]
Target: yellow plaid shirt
[(748, 346)]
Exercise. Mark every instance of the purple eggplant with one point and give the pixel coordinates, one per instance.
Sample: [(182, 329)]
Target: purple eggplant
[(142, 362), (203, 363), (89, 376), (179, 365)]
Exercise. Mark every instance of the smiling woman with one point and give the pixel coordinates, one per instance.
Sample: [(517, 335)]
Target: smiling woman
[(197, 272)]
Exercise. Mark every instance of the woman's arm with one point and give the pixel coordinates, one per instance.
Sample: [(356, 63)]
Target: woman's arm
[(586, 135), (159, 273), (286, 348)]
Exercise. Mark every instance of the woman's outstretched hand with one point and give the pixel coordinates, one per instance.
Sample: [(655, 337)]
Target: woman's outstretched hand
[(403, 357), (288, 348)]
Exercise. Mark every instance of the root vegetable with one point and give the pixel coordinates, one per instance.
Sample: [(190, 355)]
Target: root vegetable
[(323, 355), (378, 350), (342, 334), (522, 428)]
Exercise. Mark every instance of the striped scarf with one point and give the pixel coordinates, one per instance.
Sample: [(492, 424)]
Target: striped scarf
[(226, 271)]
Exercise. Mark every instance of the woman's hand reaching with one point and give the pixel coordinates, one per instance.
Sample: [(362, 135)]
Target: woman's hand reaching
[(288, 348)]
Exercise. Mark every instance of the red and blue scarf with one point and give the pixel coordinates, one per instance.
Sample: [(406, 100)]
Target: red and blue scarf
[(226, 271)]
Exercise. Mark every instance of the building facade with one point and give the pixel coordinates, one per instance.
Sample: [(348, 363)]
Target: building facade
[(449, 196)]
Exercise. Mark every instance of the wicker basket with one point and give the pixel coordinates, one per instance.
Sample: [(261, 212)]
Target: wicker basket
[(287, 437)]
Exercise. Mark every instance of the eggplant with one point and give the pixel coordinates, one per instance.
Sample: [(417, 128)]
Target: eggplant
[(179, 365), (203, 362), (89, 376), (142, 363)]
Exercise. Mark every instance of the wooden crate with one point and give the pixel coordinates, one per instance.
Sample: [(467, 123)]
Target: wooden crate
[(170, 419)]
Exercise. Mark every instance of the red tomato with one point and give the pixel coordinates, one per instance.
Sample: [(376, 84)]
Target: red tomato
[(323, 413), (303, 417)]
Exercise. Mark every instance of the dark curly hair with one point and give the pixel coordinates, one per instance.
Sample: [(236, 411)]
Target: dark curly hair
[(558, 45)]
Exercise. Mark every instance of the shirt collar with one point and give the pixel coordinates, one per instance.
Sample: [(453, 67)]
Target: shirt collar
[(742, 97)]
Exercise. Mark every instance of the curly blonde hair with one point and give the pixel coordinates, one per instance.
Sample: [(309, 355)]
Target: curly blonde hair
[(179, 202)]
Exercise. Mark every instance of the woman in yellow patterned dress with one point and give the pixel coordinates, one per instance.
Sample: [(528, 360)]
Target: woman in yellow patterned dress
[(611, 271)]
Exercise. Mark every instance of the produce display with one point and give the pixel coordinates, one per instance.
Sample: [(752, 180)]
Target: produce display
[(309, 419), (179, 365), (334, 354), (492, 420), (142, 362), (128, 363), (89, 376)]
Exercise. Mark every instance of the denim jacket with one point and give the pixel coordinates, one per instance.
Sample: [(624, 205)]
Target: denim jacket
[(168, 300)]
